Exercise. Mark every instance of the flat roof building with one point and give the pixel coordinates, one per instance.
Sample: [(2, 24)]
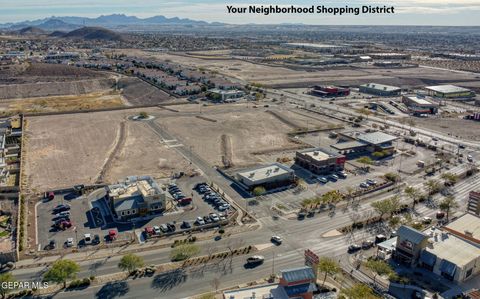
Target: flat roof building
[(380, 89), (466, 227), (270, 176), (450, 257), (353, 144), (320, 160), (225, 94), (136, 196), (449, 91), (329, 91), (419, 105)]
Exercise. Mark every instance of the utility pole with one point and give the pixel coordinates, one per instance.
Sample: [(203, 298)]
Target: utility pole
[(273, 264)]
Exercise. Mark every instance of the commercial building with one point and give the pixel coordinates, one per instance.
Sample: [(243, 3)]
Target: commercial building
[(268, 176), (353, 144), (380, 89), (329, 91), (320, 161), (410, 243), (136, 196), (321, 48), (225, 94), (466, 227), (297, 283), (391, 56), (450, 257), (418, 105), (449, 91), (473, 205), (452, 251)]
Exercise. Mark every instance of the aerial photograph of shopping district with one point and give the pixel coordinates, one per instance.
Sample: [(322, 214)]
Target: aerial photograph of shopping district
[(194, 149)]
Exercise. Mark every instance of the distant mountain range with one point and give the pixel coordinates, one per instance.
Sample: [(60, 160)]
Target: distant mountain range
[(108, 21)]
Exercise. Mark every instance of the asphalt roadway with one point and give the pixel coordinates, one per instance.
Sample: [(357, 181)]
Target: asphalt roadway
[(297, 235)]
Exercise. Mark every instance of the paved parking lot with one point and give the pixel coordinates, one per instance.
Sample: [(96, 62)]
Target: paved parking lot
[(90, 214), (80, 216)]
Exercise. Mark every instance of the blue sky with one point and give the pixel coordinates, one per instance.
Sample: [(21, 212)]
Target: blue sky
[(408, 12)]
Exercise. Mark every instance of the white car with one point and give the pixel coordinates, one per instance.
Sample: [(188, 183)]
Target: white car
[(157, 230), (323, 180), (69, 242), (214, 217), (469, 158), (364, 185), (371, 182), (277, 239), (87, 239), (200, 221)]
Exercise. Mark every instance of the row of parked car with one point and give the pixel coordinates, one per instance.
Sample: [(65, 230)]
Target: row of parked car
[(368, 183), (212, 197), (211, 218), (333, 177), (61, 217), (367, 244), (178, 195)]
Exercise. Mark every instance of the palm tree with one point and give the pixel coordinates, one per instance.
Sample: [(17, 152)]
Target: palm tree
[(448, 204), (432, 186)]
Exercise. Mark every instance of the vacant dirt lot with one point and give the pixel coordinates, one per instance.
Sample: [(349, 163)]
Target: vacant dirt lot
[(138, 92), (457, 127), (240, 134), (96, 100), (64, 150)]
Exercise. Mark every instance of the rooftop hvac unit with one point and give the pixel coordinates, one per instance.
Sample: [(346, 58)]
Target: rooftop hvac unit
[(384, 88), (315, 153), (468, 233), (276, 169), (252, 174)]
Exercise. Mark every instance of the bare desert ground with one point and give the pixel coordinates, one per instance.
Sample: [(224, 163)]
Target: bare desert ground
[(238, 135), (64, 150)]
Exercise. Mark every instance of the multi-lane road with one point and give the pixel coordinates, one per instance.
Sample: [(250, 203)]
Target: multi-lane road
[(297, 235)]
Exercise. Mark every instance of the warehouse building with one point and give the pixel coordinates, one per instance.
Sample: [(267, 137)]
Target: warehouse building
[(380, 89), (270, 176), (321, 48), (449, 91), (329, 91), (320, 161), (418, 105), (136, 196)]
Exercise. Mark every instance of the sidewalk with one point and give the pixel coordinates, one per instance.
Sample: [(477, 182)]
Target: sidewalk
[(121, 250)]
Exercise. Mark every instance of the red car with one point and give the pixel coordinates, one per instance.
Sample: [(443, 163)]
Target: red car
[(112, 235), (185, 201), (65, 224), (149, 231)]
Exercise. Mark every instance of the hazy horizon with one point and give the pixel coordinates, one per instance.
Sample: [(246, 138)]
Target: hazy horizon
[(408, 12)]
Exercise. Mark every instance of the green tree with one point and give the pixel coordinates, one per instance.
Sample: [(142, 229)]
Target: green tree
[(378, 267), (433, 186), (413, 194), (378, 155), (130, 262), (450, 178), (259, 190), (4, 280), (448, 204), (184, 252), (386, 206), (365, 161), (143, 115), (62, 270), (207, 296), (392, 177), (332, 197), (328, 266), (359, 291)]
